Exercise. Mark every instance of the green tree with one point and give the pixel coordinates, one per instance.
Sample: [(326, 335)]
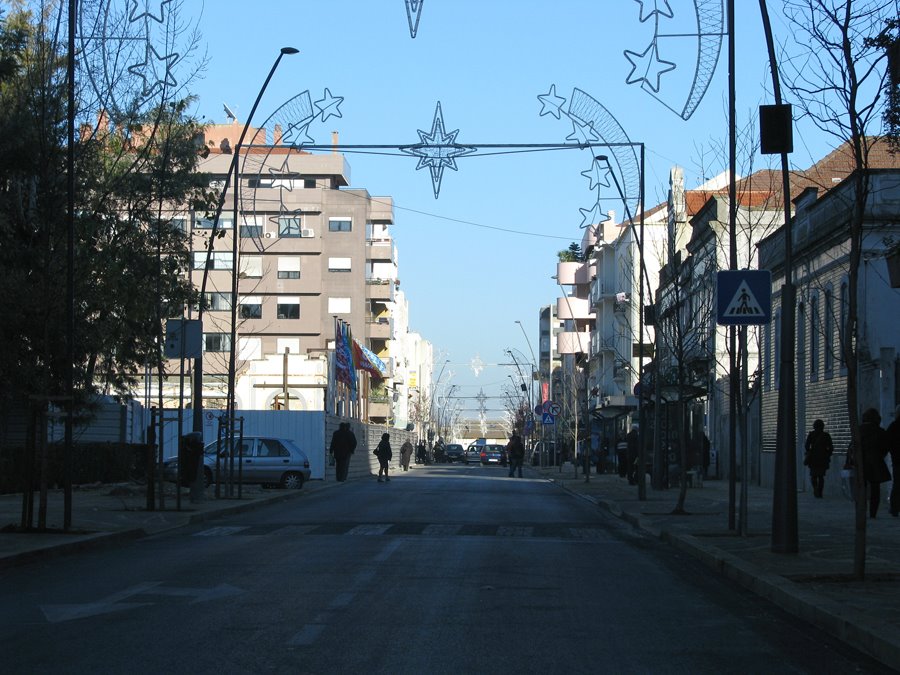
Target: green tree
[(130, 261)]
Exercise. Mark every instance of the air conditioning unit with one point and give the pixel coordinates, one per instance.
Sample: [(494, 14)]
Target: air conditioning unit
[(307, 232), (269, 235)]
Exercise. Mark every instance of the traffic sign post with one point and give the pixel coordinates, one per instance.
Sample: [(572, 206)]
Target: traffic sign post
[(744, 297), (548, 419)]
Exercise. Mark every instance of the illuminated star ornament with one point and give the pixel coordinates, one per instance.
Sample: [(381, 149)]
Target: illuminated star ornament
[(413, 14), (329, 105), (147, 71), (437, 150), (592, 124), (134, 7), (477, 365), (701, 31)]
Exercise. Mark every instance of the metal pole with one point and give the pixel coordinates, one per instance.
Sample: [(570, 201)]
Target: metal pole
[(732, 244), (70, 273), (197, 388), (785, 535)]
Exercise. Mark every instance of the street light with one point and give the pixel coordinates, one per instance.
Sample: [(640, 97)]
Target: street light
[(232, 170), (434, 386), (574, 384), (531, 397), (642, 274)]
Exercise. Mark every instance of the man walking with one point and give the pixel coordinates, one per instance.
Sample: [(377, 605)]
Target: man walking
[(893, 442), (343, 443), (515, 452)]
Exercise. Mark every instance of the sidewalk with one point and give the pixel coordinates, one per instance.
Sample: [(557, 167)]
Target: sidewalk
[(813, 584)]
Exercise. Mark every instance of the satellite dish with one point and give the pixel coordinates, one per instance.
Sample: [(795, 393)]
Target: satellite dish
[(229, 112)]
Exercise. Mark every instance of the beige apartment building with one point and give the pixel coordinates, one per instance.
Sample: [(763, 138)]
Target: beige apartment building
[(309, 250)]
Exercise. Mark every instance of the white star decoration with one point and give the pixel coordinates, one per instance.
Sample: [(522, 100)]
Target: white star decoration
[(145, 69), (331, 107), (134, 6), (646, 13), (437, 150), (648, 63), (551, 102)]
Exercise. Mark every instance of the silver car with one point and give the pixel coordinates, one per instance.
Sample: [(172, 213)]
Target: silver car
[(261, 460)]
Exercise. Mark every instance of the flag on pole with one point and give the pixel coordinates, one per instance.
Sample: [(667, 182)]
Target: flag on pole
[(365, 359)]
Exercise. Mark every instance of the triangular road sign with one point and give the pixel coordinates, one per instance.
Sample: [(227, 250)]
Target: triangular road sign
[(744, 304)]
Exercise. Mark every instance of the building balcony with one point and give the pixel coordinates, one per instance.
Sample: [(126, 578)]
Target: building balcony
[(380, 289), (378, 328), (574, 343), (380, 250), (379, 409), (574, 308)]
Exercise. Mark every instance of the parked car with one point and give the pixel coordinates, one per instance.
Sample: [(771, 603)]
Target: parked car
[(493, 453), (261, 460), (473, 454), (454, 452)]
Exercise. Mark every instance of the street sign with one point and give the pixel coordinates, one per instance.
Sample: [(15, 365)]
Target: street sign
[(538, 409), (555, 409), (529, 427), (547, 418), (546, 407), (744, 297)]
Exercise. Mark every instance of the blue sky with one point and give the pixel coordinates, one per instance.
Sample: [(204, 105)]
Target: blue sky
[(480, 257)]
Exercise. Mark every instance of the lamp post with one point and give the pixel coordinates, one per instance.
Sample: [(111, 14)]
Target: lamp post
[(642, 275), (434, 386), (531, 397), (232, 170)]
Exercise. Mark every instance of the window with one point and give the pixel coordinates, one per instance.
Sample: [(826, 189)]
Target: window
[(220, 260), (217, 342), (251, 231), (289, 307), (339, 264), (842, 329), (225, 223), (289, 268), (179, 224), (269, 447), (767, 357), (288, 226), (250, 307), (251, 266), (340, 225), (287, 344), (309, 182), (829, 331), (338, 305), (815, 327), (249, 348), (217, 302)]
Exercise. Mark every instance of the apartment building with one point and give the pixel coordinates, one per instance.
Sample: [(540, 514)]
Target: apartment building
[(310, 251)]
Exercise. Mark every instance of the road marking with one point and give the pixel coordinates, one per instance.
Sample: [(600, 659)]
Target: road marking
[(388, 550), (308, 634), (223, 531), (370, 529), (513, 531)]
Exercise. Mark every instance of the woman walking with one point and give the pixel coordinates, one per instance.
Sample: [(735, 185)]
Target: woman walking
[(874, 449), (818, 456), (384, 454)]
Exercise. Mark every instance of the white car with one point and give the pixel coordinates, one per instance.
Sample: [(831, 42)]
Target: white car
[(261, 460)]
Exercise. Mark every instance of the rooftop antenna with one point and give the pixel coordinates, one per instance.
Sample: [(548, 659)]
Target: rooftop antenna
[(229, 112)]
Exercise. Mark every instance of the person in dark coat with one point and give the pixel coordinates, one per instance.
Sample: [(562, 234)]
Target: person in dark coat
[(515, 451), (384, 454), (818, 456), (406, 451), (893, 443), (343, 443), (633, 444), (622, 455), (873, 440)]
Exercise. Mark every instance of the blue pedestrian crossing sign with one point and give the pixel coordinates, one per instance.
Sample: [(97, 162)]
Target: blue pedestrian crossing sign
[(547, 418), (744, 297)]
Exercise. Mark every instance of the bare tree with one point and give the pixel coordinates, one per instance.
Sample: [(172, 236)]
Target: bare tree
[(837, 76)]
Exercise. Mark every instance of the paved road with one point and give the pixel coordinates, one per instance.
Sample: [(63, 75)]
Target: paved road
[(442, 570)]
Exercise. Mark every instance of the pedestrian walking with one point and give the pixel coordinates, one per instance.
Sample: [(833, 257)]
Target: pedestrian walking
[(406, 451), (632, 443), (873, 440), (384, 454), (515, 452), (343, 443), (893, 443), (818, 456)]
